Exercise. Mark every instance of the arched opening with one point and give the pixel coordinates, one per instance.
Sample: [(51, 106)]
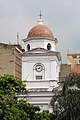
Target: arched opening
[(28, 47), (48, 46)]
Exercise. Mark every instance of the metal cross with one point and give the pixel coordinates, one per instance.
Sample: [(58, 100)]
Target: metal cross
[(40, 15)]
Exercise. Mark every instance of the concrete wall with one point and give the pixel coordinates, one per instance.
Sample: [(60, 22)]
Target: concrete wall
[(10, 60), (65, 70), (6, 60)]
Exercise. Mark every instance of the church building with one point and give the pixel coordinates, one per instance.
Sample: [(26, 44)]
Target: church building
[(40, 65)]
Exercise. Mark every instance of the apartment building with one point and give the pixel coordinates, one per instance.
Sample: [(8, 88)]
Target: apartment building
[(73, 59), (11, 60)]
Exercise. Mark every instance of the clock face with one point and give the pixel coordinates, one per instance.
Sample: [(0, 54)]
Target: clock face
[(38, 68)]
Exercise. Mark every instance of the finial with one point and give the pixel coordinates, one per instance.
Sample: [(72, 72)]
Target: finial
[(40, 21), (40, 15)]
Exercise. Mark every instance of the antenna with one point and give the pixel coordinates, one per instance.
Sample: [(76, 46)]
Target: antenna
[(17, 37), (9, 42), (67, 51), (26, 77)]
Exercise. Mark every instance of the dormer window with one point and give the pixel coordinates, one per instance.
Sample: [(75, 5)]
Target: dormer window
[(28, 47), (48, 46)]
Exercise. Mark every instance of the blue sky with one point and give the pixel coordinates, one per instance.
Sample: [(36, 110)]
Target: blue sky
[(62, 16)]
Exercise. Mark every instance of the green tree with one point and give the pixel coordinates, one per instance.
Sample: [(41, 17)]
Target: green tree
[(44, 115), (68, 100), (10, 107), (13, 109)]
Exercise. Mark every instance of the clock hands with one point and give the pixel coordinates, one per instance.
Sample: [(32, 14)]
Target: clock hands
[(38, 68)]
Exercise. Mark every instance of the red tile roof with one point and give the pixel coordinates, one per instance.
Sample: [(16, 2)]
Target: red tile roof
[(40, 31), (76, 69)]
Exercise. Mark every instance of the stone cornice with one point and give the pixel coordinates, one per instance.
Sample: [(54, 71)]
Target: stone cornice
[(43, 52), (40, 38)]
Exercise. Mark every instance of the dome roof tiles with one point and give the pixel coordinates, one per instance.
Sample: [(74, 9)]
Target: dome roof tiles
[(40, 31)]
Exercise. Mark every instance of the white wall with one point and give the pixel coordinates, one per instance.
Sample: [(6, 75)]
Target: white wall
[(50, 74), (40, 44), (50, 70)]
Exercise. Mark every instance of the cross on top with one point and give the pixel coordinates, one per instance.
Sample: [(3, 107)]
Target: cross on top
[(40, 15)]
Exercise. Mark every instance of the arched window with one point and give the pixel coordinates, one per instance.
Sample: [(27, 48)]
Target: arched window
[(28, 47), (48, 46)]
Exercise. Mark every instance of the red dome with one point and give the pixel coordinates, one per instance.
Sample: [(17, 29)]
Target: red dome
[(40, 31)]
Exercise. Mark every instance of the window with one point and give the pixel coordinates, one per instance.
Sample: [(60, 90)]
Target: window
[(79, 61), (48, 46), (39, 77), (74, 56), (28, 47)]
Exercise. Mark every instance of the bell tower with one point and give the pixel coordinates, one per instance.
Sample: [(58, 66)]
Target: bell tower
[(40, 64)]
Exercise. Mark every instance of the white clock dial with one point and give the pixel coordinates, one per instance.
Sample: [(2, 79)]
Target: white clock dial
[(38, 68)]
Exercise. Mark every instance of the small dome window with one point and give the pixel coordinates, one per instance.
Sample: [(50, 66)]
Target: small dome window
[(48, 46), (28, 47)]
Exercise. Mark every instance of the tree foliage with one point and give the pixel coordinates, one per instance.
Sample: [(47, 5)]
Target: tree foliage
[(68, 100), (10, 87), (13, 109)]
